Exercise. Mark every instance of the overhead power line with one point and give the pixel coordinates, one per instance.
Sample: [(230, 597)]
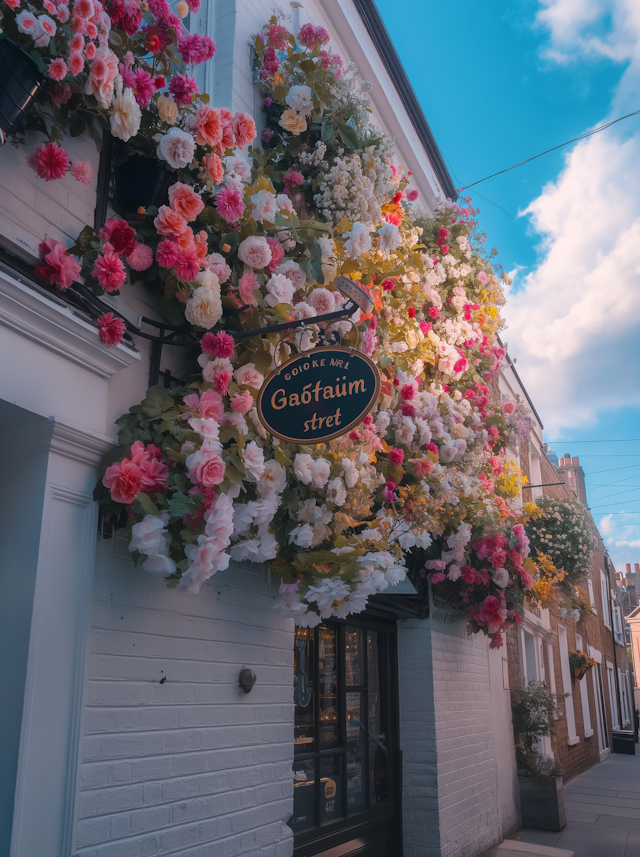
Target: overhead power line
[(614, 440), (553, 149)]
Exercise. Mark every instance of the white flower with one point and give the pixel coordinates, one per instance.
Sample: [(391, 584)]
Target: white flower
[(359, 240), (336, 492), (253, 457), (500, 577), (350, 472), (237, 169), (264, 206), (299, 99), (125, 114), (389, 237), (177, 148), (283, 203), (325, 593), (303, 467), (302, 535), (149, 535), (160, 564), (204, 307), (280, 290), (321, 471), (292, 271), (274, 478)]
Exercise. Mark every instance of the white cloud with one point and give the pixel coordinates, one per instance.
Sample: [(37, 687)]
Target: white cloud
[(574, 323), (606, 525)]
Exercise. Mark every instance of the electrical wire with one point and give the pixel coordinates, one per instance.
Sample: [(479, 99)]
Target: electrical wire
[(615, 440), (553, 149)]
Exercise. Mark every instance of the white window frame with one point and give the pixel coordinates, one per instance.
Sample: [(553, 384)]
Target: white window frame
[(613, 702), (566, 685), (592, 600), (584, 696), (604, 592)]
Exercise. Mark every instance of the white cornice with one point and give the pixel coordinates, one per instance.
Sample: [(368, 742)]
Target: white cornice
[(51, 324), (77, 443)]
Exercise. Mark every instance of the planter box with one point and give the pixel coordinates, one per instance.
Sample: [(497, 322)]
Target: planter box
[(542, 803)]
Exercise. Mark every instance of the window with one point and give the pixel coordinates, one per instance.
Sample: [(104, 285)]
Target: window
[(584, 696), (604, 592), (344, 734), (566, 685), (617, 618), (622, 683), (592, 600), (612, 696)]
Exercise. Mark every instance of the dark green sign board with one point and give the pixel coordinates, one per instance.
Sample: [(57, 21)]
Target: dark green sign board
[(319, 395)]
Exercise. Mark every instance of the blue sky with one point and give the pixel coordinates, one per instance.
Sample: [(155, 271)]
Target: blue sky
[(500, 82)]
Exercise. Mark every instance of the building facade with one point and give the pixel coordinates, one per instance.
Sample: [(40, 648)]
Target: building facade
[(125, 732)]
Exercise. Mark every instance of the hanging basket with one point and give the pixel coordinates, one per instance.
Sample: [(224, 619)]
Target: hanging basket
[(20, 82), (580, 671), (140, 182)]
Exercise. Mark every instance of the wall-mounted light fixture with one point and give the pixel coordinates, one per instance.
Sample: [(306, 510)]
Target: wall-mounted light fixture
[(246, 679)]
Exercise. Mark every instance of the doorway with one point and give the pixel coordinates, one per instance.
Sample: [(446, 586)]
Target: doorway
[(346, 764)]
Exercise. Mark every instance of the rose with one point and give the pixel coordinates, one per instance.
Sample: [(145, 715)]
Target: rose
[(293, 122), (204, 307), (177, 148), (210, 471), (293, 272), (123, 479), (167, 109), (184, 200), (389, 237), (303, 467), (248, 376), (244, 129), (253, 458), (242, 403), (322, 300), (170, 222), (264, 206), (280, 290), (501, 577), (359, 240), (217, 264), (255, 252), (274, 478), (126, 115), (211, 405), (299, 99)]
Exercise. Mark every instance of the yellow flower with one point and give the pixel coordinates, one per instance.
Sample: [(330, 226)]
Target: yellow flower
[(167, 109), (293, 122)]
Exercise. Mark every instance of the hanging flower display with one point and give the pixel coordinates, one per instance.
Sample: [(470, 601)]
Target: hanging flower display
[(252, 238), (563, 532)]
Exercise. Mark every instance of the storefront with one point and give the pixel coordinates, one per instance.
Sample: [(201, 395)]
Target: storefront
[(346, 769)]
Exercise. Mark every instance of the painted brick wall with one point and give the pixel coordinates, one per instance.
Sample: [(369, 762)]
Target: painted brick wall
[(175, 758), (33, 208), (459, 790)]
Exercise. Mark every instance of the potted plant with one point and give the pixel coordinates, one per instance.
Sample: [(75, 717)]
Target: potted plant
[(541, 794), (580, 664)]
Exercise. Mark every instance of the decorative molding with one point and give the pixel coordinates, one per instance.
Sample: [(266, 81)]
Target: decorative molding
[(77, 443), (50, 323)]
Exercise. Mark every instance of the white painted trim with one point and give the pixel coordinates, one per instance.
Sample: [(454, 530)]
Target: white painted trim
[(77, 443), (573, 741), (588, 733), (32, 312)]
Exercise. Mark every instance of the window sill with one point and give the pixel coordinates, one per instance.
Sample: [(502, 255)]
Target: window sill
[(588, 733), (573, 741)]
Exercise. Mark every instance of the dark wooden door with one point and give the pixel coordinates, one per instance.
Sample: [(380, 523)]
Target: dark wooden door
[(346, 769)]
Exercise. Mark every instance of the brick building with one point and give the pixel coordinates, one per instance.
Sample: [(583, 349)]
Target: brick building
[(539, 649)]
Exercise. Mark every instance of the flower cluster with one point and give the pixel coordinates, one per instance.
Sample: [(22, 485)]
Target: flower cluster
[(423, 482), (563, 532)]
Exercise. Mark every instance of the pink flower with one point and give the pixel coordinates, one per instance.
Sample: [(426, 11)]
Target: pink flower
[(111, 328), (141, 258), (396, 456), (217, 344), (209, 126), (270, 61), (291, 179), (182, 87), (313, 37), (244, 129), (255, 252), (123, 480), (187, 264), (249, 376), (247, 286), (211, 405), (153, 475), (13, 4), (76, 44), (109, 271), (50, 162), (184, 200), (59, 268), (143, 88), (82, 171), (210, 471), (62, 14), (167, 253), (76, 63), (217, 264), (170, 222), (57, 69), (241, 403), (277, 253), (322, 300), (412, 195), (230, 203)]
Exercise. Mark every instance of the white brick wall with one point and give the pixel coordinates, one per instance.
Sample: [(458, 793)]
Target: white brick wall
[(192, 766), (458, 762)]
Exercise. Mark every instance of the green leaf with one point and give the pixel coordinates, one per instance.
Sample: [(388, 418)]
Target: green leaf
[(308, 65), (144, 505), (349, 136), (327, 131), (181, 505)]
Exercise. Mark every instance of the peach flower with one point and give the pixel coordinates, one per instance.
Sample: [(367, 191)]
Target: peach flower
[(209, 126), (170, 222), (293, 122), (184, 200)]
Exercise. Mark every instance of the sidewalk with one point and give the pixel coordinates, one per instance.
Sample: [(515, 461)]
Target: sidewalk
[(603, 816)]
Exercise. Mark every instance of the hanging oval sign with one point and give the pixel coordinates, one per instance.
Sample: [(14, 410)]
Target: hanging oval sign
[(318, 395)]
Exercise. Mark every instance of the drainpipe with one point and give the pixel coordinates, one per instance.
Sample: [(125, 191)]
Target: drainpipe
[(613, 638)]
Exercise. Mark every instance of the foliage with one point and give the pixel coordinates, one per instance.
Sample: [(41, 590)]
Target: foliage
[(533, 708), (580, 659), (546, 578)]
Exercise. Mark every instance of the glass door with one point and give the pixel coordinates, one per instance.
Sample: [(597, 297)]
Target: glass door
[(346, 785)]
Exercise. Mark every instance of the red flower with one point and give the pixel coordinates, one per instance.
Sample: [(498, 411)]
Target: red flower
[(120, 235), (111, 329), (388, 285), (109, 271), (49, 162), (160, 81), (396, 456), (153, 45), (434, 312), (411, 312)]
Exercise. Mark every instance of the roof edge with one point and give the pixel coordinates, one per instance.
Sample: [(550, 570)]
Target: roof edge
[(380, 37)]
